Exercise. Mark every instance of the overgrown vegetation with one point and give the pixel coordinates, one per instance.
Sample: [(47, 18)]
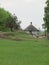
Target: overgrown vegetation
[(18, 35)]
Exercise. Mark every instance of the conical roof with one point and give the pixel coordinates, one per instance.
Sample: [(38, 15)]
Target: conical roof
[(31, 28)]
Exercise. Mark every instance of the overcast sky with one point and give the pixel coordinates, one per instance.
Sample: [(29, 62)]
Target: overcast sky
[(26, 10)]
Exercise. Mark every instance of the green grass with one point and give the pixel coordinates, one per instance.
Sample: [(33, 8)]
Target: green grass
[(21, 35), (33, 52)]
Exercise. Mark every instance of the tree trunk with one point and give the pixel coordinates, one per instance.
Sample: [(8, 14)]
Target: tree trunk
[(48, 36), (11, 29)]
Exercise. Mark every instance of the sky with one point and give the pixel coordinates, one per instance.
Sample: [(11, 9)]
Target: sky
[(26, 10)]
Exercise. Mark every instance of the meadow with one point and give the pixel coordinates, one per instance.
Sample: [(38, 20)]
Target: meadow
[(24, 52)]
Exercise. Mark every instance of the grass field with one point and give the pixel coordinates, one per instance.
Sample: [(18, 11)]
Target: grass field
[(29, 52)]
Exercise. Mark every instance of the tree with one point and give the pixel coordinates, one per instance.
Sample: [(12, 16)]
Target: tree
[(46, 17), (8, 21), (13, 23), (18, 25), (45, 29), (3, 18)]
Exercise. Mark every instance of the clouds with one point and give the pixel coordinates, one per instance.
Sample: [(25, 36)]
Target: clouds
[(26, 10)]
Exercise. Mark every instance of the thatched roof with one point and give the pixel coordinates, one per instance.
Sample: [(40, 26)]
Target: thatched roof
[(31, 28)]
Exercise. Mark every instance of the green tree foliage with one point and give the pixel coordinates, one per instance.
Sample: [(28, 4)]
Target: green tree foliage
[(12, 22), (8, 21), (3, 19), (46, 16)]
